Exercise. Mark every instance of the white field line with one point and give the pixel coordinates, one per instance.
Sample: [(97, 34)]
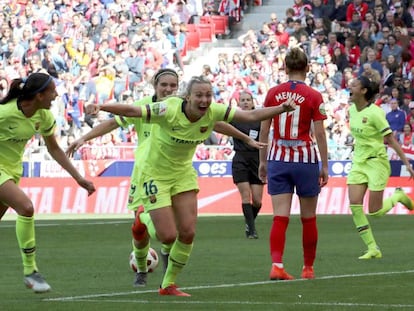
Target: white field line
[(92, 298)]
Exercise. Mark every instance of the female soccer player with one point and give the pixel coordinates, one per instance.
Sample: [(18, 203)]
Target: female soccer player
[(165, 83), (245, 168), (24, 112), (292, 162), (370, 165), (168, 182)]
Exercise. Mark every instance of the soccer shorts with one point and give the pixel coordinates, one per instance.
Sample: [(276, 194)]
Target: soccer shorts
[(157, 192), (245, 168), (374, 172), (5, 176), (284, 177), (134, 199)]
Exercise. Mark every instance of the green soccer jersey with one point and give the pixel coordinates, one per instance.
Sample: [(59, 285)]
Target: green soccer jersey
[(368, 127), (142, 129), (16, 130), (171, 146)]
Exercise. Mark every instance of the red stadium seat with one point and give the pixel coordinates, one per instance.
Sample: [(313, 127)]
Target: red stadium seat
[(192, 37), (206, 32), (221, 24)]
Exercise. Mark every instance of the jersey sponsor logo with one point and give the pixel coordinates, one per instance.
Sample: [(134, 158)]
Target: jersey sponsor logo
[(187, 142), (175, 128)]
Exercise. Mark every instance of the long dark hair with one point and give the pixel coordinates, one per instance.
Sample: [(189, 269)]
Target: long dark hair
[(371, 86), (27, 88)]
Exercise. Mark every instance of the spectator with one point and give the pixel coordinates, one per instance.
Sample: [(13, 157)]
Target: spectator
[(396, 118)]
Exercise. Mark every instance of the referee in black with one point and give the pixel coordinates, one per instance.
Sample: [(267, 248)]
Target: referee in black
[(245, 167)]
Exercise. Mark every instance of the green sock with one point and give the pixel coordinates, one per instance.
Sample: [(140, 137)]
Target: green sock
[(178, 258), (362, 225), (146, 219), (166, 248), (25, 233), (387, 205), (141, 256)]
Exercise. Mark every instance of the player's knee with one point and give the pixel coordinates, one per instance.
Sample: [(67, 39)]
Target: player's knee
[(24, 209)]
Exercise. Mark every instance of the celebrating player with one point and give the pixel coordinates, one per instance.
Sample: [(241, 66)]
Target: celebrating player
[(292, 162), (24, 112), (168, 182), (370, 165)]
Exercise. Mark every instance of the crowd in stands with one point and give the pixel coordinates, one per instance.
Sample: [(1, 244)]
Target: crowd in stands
[(102, 50)]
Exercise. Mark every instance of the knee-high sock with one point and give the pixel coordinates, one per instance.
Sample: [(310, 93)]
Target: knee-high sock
[(146, 219), (362, 225), (25, 233), (278, 238), (256, 210), (387, 205), (141, 256), (309, 240), (178, 258), (248, 216)]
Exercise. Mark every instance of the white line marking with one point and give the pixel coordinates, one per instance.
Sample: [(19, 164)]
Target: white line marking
[(87, 297)]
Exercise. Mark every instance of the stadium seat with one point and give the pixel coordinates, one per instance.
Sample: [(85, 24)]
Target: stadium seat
[(221, 24), (206, 32), (192, 37)]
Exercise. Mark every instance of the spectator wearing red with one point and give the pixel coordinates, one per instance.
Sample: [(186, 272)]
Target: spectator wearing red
[(353, 51), (282, 36), (357, 6), (333, 43)]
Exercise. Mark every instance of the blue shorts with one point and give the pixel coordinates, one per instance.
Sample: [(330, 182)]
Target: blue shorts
[(284, 177)]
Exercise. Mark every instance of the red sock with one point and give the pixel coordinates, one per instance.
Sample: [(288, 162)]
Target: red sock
[(309, 240), (278, 238)]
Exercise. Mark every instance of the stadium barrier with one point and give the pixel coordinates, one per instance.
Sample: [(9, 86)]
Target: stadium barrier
[(217, 196)]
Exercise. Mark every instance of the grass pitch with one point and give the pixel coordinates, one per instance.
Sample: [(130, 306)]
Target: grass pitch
[(86, 263)]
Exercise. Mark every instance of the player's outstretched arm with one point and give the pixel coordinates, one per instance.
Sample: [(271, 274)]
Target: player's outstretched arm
[(101, 129), (263, 113), (59, 155), (230, 130)]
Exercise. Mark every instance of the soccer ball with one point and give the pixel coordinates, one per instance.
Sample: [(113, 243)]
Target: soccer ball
[(152, 260)]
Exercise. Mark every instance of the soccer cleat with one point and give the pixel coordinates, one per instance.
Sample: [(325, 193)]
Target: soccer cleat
[(404, 199), (172, 290), (36, 282), (373, 253), (253, 235), (308, 273), (140, 279), (279, 274)]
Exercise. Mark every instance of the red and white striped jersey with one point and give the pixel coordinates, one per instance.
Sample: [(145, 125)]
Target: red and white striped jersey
[(292, 131)]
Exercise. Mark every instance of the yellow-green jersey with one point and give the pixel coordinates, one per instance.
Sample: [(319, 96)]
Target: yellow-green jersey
[(142, 129), (171, 146), (16, 130), (368, 127)]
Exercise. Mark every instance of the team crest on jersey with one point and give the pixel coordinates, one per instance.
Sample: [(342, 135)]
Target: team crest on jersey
[(364, 120), (159, 109), (130, 199), (152, 199), (203, 129), (322, 109)]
